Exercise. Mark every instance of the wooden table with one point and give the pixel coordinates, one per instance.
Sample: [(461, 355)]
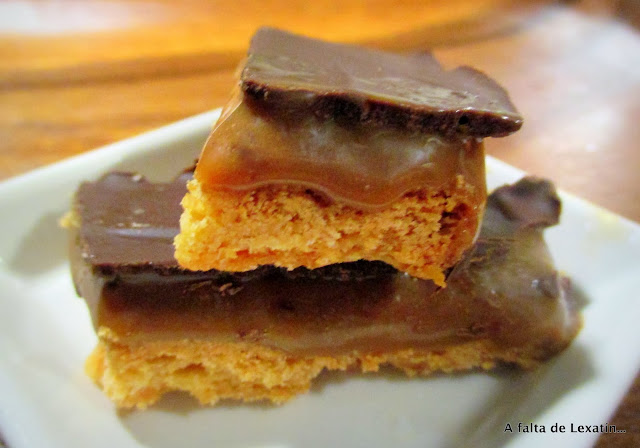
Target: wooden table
[(77, 75)]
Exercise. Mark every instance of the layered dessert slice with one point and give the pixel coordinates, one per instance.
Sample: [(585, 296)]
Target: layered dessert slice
[(331, 153), (265, 334)]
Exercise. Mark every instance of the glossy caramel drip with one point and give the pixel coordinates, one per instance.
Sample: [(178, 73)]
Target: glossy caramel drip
[(363, 165)]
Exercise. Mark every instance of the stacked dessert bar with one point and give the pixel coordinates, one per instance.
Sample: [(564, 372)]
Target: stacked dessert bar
[(334, 220)]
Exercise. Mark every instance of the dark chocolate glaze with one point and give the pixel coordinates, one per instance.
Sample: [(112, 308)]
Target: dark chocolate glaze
[(128, 222), (505, 290), (346, 82), (532, 202)]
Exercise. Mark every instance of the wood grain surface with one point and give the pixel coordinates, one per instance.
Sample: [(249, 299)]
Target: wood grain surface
[(75, 75)]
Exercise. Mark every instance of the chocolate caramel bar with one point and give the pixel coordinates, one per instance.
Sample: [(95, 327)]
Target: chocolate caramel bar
[(265, 334), (331, 153)]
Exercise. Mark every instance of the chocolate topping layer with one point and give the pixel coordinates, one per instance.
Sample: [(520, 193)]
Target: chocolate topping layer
[(532, 202), (346, 82), (504, 290), (128, 222)]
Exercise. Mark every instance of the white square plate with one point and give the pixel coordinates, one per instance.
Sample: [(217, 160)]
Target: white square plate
[(45, 335)]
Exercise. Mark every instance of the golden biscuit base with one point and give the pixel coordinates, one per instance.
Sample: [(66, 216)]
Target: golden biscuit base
[(137, 374), (422, 233)]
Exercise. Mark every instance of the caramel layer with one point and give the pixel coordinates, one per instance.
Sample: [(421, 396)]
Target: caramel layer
[(363, 165), (508, 303)]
